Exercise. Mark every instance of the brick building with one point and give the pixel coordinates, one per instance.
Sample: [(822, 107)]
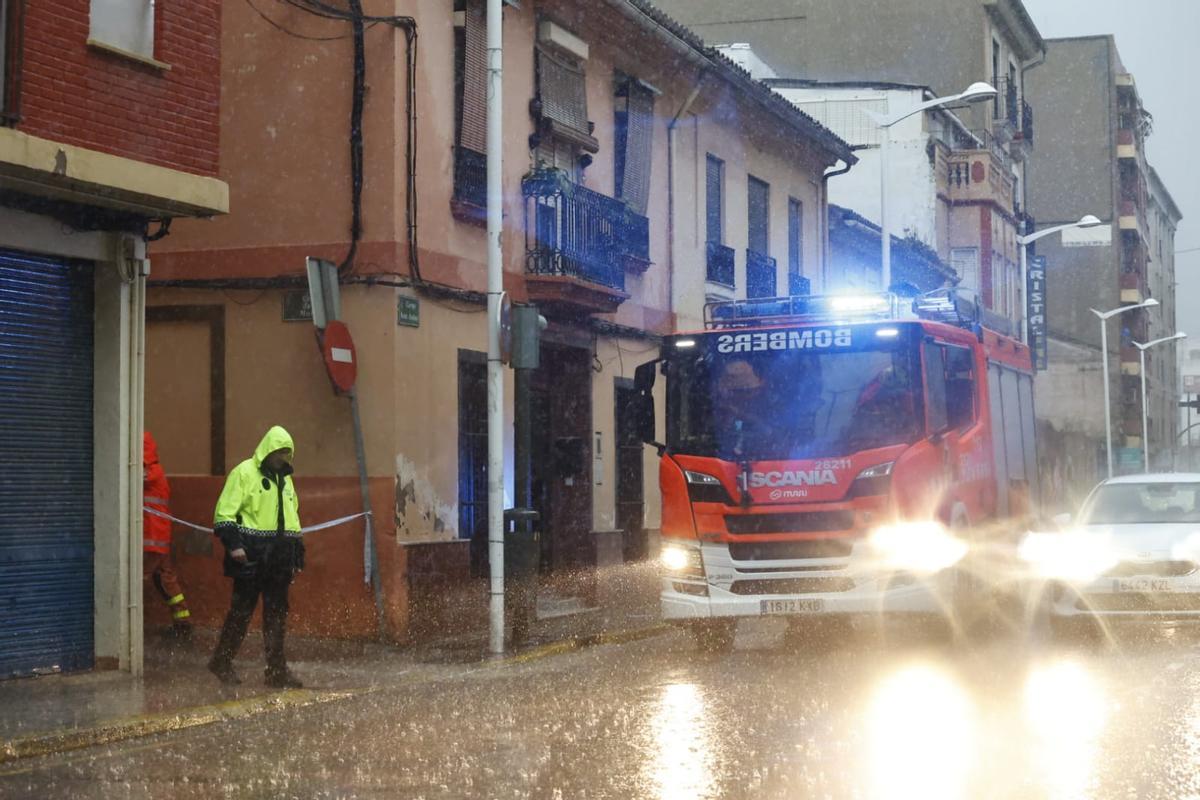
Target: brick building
[(110, 131)]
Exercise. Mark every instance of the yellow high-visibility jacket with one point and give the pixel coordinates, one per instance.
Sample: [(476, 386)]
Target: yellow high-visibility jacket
[(259, 512)]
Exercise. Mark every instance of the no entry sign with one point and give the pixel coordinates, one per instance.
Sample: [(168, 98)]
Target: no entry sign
[(340, 359)]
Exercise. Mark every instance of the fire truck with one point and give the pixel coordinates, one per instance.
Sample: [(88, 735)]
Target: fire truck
[(837, 455)]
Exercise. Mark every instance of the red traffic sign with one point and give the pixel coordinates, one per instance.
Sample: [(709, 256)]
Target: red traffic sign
[(340, 359)]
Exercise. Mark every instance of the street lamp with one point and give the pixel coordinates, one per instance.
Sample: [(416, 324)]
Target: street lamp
[(1105, 316), (1023, 241), (1145, 434), (974, 93)]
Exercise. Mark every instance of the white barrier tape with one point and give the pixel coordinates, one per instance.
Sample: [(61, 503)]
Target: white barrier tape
[(319, 527)]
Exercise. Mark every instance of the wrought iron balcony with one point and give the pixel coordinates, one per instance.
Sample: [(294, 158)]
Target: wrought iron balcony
[(719, 264), (585, 237), (1026, 122), (798, 285), (760, 275), (469, 202)]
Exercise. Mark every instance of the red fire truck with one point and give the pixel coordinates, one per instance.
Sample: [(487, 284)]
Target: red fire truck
[(829, 455)]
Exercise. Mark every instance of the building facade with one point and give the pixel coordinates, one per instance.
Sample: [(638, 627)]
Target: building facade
[(109, 133), (1162, 362), (644, 174), (830, 60), (1096, 164)]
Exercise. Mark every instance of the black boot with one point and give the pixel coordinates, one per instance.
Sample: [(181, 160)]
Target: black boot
[(283, 679), (224, 673)]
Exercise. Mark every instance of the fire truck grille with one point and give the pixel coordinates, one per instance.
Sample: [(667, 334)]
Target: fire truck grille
[(792, 586), (789, 551), (1162, 569), (798, 522)]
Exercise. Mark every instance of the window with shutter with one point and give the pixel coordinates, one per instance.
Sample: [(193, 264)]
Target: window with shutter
[(759, 212), (127, 25), (714, 186), (795, 237), (634, 132), (470, 153), (562, 95)]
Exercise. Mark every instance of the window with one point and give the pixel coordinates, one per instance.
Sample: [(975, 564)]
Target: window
[(562, 101), (470, 123), (965, 261), (12, 27), (960, 387), (634, 137), (714, 189), (127, 25), (758, 217), (795, 238)]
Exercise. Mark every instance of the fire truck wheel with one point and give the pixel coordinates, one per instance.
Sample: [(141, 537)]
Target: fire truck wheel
[(713, 635)]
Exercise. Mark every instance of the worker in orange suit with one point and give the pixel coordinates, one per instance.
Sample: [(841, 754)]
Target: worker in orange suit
[(156, 538)]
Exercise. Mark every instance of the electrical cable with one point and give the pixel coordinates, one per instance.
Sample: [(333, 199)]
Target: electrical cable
[(356, 137), (277, 26)]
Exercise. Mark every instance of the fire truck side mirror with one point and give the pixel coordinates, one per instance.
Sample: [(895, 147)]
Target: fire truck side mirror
[(643, 402)]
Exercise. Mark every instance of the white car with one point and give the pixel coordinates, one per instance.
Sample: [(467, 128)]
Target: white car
[(1133, 551)]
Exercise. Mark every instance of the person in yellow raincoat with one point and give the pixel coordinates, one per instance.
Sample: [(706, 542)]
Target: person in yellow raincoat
[(258, 521)]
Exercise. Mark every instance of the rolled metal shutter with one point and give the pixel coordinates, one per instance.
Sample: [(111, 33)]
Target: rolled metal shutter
[(46, 506)]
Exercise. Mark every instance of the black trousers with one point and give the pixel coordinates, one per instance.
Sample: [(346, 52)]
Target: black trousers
[(273, 586)]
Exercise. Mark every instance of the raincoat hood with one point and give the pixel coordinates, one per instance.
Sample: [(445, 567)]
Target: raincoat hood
[(276, 439), (150, 448)]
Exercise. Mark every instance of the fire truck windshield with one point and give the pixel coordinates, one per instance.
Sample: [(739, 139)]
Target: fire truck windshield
[(777, 403)]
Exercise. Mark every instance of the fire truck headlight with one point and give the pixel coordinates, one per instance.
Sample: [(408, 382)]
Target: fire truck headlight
[(1071, 556), (921, 547), (681, 559)]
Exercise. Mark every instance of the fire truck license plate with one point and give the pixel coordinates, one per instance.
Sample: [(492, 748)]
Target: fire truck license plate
[(1141, 585), (792, 606)]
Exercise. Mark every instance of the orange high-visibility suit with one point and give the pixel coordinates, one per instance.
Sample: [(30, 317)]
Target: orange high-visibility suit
[(156, 536)]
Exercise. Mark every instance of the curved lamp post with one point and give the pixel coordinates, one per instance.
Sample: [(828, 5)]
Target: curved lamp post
[(974, 93), (1105, 316), (1023, 241), (1142, 354)]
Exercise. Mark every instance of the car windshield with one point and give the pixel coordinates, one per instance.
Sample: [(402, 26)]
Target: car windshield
[(1143, 503), (779, 404)]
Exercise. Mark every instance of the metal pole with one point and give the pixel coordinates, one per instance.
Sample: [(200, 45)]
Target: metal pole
[(1107, 425), (370, 556), (1022, 312), (495, 287), (1145, 437), (884, 231)]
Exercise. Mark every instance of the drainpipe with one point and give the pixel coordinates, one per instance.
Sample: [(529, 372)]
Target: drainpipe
[(823, 223), (672, 245)]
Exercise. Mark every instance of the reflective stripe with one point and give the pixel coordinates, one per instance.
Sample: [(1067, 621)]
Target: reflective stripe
[(176, 600), (182, 614), (158, 501), (156, 542)]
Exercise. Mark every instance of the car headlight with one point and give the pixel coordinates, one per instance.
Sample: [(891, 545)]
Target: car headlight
[(1068, 555), (922, 547), (682, 560)]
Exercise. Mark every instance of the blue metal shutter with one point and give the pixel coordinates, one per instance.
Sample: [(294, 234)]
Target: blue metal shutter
[(46, 507)]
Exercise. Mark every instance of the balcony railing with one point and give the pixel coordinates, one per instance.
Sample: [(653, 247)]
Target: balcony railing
[(798, 285), (1026, 122), (760, 275), (720, 264), (573, 231), (470, 184), (1007, 105)]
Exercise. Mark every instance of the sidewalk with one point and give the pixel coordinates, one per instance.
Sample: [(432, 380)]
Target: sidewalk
[(64, 712)]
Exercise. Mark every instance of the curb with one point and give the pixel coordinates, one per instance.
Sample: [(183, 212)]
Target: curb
[(13, 750), (581, 642)]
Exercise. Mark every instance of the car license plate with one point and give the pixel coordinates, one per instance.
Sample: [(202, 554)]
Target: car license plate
[(1141, 585), (792, 606)]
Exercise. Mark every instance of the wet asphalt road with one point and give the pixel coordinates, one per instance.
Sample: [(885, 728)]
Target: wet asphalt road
[(828, 716)]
